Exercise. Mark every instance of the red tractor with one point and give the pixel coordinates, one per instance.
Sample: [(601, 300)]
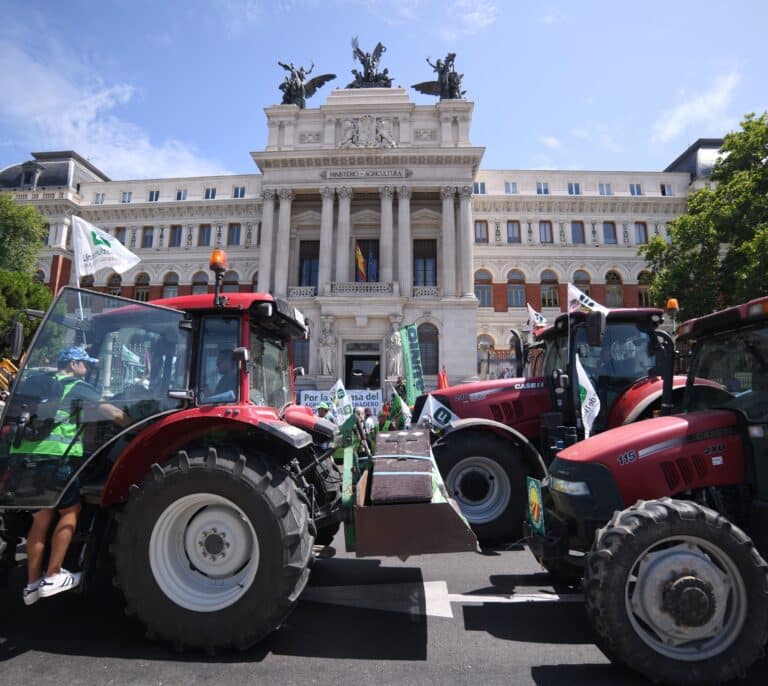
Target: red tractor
[(664, 510), (507, 428)]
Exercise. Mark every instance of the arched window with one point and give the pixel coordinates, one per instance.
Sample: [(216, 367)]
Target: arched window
[(515, 288), (581, 281), (644, 294), (485, 344), (115, 284), (429, 346), (483, 281), (141, 287), (255, 282), (231, 282), (614, 290), (171, 285), (86, 281), (200, 283), (549, 293)]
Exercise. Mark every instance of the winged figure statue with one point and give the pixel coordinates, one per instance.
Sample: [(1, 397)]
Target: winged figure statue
[(370, 77), (296, 88), (448, 84)]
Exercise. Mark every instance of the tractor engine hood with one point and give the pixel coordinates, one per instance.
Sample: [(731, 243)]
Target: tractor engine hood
[(664, 455)]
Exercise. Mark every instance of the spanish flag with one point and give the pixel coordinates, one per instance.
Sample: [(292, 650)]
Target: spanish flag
[(360, 262)]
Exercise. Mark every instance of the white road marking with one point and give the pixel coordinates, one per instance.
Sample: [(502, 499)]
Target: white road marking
[(430, 598)]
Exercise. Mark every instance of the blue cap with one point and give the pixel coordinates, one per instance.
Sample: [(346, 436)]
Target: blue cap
[(73, 354)]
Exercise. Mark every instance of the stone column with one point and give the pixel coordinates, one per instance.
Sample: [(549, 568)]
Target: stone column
[(448, 271), (267, 231), (467, 229), (342, 236), (326, 241), (404, 243), (386, 252), (283, 245)]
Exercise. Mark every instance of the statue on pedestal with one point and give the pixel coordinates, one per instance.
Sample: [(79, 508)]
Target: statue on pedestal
[(370, 76), (296, 89), (395, 353), (448, 84), (327, 342)]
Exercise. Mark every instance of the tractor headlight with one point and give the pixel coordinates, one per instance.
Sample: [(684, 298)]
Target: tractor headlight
[(568, 487)]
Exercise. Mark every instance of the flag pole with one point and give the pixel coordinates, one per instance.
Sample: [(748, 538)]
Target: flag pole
[(77, 271)]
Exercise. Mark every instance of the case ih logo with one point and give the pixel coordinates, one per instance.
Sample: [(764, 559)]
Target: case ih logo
[(528, 385), (627, 458)]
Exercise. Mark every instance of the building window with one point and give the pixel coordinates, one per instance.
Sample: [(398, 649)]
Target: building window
[(577, 233), (154, 196), (542, 188), (174, 237), (171, 285), (120, 234), (635, 189), (200, 283), (300, 353), (614, 291), (181, 194), (204, 235), (515, 288), (233, 234), (666, 189), (641, 233), (126, 196), (309, 263), (425, 263), (481, 232), (549, 289), (114, 284), (231, 282), (513, 232), (545, 232), (429, 345), (210, 193), (510, 187), (147, 236), (238, 192), (581, 280), (483, 281), (479, 187), (604, 189), (644, 280), (574, 188), (99, 198), (141, 288), (609, 233), (366, 261), (255, 282)]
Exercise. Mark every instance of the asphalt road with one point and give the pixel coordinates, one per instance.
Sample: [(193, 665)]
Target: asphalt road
[(490, 618)]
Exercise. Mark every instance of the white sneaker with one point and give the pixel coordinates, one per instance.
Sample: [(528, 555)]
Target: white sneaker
[(31, 592), (58, 583)]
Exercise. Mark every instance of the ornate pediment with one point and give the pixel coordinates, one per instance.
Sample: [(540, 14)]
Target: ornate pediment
[(367, 131)]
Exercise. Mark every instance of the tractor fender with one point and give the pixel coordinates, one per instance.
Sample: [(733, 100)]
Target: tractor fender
[(528, 451), (161, 440), (641, 396)]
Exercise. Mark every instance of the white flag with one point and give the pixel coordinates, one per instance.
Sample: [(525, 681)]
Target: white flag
[(405, 411), (590, 403), (95, 249), (342, 405), (535, 318), (434, 413), (577, 299)]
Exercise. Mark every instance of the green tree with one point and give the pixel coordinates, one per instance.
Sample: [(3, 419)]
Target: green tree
[(18, 291), (717, 254), (22, 232)]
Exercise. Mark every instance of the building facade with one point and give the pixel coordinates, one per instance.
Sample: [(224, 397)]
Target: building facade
[(371, 212)]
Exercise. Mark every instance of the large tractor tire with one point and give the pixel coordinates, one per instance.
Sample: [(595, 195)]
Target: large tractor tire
[(484, 474), (213, 550), (333, 479), (677, 593)]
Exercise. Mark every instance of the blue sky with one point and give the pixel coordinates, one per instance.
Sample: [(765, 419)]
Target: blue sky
[(164, 88)]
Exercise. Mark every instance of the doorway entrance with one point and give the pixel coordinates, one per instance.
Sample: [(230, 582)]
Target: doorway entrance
[(362, 365)]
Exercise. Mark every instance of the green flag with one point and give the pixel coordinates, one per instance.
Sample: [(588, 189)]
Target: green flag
[(414, 376)]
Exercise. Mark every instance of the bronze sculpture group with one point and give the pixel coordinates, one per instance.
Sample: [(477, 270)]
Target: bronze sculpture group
[(296, 86)]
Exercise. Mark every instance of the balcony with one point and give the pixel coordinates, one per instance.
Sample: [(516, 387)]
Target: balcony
[(298, 292), (426, 292), (364, 289)]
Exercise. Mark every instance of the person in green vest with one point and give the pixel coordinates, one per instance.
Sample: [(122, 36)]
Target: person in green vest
[(51, 453)]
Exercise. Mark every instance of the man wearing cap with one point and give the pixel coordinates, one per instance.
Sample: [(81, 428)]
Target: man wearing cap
[(322, 411), (52, 453)]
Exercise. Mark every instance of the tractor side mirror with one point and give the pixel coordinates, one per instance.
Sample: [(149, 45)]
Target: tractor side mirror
[(241, 356), (14, 339), (595, 328)]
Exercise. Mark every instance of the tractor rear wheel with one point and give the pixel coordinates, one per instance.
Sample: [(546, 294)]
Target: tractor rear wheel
[(212, 550), (677, 592), (483, 474)]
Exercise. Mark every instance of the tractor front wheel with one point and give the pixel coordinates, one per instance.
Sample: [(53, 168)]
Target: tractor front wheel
[(677, 592), (212, 550)]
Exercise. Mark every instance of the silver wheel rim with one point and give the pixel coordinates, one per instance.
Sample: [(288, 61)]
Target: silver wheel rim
[(672, 559), (481, 487), (203, 552)]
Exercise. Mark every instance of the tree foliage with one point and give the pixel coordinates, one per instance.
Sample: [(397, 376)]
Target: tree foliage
[(717, 254), (18, 291), (22, 231)]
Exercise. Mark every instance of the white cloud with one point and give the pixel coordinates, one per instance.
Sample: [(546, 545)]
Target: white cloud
[(50, 101), (467, 17), (238, 16), (551, 142), (599, 136), (707, 110)]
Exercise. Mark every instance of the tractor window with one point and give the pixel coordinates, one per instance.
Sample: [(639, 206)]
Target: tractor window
[(627, 352), (555, 355), (218, 370), (270, 371)]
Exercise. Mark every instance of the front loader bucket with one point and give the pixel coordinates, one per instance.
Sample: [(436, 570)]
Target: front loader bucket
[(401, 506)]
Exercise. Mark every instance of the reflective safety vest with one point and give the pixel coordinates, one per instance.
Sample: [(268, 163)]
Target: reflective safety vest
[(63, 437)]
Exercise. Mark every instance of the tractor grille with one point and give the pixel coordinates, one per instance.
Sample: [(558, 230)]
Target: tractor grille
[(506, 412), (683, 471)]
